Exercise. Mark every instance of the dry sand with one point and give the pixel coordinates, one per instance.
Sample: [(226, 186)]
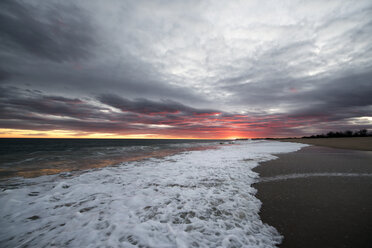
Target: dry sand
[(321, 210), (354, 143)]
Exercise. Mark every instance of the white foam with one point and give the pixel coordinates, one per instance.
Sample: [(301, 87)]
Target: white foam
[(193, 199)]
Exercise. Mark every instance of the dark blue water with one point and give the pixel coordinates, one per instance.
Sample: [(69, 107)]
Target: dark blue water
[(36, 157)]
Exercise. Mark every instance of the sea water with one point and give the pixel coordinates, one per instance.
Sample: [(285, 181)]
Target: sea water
[(37, 157), (196, 198)]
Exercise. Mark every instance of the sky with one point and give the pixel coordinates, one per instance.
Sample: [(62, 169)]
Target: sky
[(184, 69)]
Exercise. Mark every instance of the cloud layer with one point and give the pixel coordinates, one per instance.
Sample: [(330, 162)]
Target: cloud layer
[(186, 68)]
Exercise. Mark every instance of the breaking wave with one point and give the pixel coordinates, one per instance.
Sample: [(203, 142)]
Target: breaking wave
[(191, 199)]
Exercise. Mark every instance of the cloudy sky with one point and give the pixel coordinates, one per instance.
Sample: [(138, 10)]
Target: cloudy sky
[(184, 69)]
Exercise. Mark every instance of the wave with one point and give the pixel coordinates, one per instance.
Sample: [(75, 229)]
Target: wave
[(34, 164), (192, 199)]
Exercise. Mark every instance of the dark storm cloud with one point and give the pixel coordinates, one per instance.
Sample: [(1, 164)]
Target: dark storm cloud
[(22, 109), (58, 47), (4, 75), (61, 33), (339, 98), (144, 106), (36, 111), (347, 90), (325, 107), (28, 104), (344, 97)]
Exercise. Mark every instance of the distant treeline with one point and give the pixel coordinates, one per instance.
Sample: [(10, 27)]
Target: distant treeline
[(348, 133)]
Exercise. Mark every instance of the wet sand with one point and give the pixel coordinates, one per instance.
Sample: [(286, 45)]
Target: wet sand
[(354, 143), (332, 208)]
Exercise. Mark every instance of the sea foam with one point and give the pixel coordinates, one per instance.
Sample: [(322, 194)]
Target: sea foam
[(192, 199)]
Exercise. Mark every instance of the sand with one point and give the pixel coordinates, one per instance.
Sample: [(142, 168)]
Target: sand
[(354, 143), (319, 211)]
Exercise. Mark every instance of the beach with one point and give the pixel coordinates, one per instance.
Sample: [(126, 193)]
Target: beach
[(353, 143), (318, 196)]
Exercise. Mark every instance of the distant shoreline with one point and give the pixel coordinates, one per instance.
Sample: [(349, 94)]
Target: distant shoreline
[(353, 143)]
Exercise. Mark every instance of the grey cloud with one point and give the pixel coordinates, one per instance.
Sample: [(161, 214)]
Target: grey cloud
[(331, 96), (89, 80), (341, 98), (59, 33), (58, 47), (25, 109), (144, 106), (16, 102)]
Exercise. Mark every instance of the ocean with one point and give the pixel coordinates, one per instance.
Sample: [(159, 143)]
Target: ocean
[(37, 157), (176, 194)]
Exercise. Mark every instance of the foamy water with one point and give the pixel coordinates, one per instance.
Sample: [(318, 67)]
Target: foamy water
[(192, 199)]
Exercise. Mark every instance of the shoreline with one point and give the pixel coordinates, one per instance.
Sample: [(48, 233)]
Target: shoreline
[(353, 143), (328, 206)]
